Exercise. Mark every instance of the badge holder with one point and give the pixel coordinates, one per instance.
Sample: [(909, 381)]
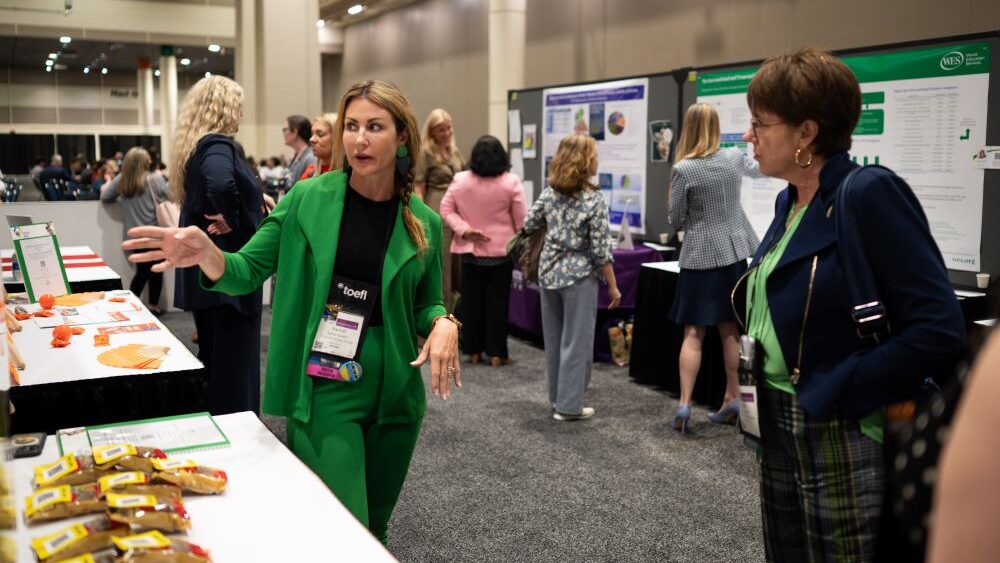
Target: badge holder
[(341, 331), (749, 412)]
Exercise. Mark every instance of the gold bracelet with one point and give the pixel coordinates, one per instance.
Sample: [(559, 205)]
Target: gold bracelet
[(450, 317)]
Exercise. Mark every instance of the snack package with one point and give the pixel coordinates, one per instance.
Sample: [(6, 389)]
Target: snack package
[(190, 476), (78, 539), (126, 457), (68, 470), (60, 502), (103, 556), (137, 483), (154, 547), (149, 511)]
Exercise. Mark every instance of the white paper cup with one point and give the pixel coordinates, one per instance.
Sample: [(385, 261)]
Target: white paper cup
[(982, 281), (680, 236), (664, 238)]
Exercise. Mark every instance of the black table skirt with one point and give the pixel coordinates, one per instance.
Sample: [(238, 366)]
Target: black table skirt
[(656, 342), (47, 408), (75, 287)]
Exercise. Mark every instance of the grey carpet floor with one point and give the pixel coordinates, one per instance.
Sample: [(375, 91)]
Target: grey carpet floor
[(494, 478)]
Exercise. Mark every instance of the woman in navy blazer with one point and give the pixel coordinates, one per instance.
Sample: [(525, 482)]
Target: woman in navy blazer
[(822, 389), (220, 195)]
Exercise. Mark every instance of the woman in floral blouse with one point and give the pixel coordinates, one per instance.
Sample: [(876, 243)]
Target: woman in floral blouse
[(576, 252)]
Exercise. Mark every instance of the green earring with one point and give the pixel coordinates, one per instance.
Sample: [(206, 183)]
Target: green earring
[(402, 151)]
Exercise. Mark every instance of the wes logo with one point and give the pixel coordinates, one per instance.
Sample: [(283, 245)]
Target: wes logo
[(952, 60)]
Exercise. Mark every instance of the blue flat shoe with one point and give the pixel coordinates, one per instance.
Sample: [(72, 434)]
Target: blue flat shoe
[(681, 418), (728, 414)]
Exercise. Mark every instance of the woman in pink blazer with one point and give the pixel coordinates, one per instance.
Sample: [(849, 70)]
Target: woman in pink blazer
[(484, 206)]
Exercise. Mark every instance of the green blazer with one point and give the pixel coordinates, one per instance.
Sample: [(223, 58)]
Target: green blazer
[(299, 241)]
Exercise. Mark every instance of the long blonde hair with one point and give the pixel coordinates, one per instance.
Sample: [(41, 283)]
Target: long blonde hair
[(388, 97), (434, 118), (328, 119), (135, 167), (700, 135), (569, 170), (213, 105)]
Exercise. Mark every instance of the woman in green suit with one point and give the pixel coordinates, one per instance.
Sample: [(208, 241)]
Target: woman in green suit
[(350, 244)]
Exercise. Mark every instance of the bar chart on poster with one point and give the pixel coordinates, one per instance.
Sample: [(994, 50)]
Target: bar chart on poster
[(924, 115)]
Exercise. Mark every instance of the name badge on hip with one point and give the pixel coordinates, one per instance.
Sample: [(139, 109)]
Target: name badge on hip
[(748, 369)]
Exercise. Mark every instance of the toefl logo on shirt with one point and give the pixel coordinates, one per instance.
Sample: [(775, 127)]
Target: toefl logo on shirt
[(361, 294)]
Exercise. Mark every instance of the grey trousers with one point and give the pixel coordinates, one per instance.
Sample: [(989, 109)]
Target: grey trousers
[(568, 318)]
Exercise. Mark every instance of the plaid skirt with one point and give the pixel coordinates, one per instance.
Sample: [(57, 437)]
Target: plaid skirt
[(821, 484)]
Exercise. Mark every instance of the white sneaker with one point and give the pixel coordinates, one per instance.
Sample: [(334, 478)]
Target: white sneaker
[(586, 412)]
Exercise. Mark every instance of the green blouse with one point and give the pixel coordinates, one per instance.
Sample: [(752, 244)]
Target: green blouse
[(761, 327)]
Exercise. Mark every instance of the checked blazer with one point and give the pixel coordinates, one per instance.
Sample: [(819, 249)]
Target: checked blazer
[(705, 204)]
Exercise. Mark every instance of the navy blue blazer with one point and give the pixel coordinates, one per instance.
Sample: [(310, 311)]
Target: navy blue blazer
[(218, 180), (840, 375)]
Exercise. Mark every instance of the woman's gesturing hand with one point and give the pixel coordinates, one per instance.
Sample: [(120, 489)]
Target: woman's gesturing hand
[(173, 248), (442, 349)]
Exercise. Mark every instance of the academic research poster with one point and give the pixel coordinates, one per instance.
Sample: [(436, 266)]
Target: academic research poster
[(923, 113)]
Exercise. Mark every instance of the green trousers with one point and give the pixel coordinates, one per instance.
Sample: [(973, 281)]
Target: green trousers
[(363, 462)]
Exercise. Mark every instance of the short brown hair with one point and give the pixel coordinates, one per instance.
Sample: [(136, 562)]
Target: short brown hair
[(810, 84), (569, 170)]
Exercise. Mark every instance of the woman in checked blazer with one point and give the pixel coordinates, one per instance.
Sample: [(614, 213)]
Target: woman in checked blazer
[(718, 238)]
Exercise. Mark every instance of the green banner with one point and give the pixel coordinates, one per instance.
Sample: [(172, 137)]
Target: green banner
[(721, 83), (950, 60)]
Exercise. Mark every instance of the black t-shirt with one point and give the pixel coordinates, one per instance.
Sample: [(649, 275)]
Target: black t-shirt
[(365, 228)]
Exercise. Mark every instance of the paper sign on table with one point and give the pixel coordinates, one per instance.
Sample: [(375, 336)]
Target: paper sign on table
[(37, 250)]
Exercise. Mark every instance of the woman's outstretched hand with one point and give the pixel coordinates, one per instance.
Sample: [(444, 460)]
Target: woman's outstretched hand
[(175, 248)]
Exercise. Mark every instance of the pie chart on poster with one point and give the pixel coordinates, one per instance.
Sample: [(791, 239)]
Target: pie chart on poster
[(616, 123)]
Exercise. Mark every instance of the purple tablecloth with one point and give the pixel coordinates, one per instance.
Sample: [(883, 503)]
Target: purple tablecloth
[(525, 301)]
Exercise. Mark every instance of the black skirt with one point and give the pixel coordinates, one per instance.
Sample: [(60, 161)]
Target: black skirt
[(703, 296)]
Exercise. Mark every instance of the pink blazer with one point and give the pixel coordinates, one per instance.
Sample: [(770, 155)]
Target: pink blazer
[(492, 205)]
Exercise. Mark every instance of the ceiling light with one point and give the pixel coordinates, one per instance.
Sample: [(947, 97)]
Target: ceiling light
[(156, 72), (49, 62), (48, 69), (320, 23), (185, 61), (86, 70), (213, 48), (53, 55), (355, 9), (104, 70), (207, 74), (65, 39)]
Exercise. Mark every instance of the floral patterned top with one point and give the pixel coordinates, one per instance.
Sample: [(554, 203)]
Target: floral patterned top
[(577, 243)]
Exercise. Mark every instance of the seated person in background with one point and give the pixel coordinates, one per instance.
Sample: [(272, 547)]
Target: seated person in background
[(54, 171), (36, 170)]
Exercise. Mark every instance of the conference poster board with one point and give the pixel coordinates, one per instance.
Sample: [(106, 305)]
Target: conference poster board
[(615, 115), (923, 115)]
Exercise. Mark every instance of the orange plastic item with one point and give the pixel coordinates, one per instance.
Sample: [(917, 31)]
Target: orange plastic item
[(47, 301), (59, 343), (22, 316), (62, 332), (102, 340), (77, 329), (117, 299), (43, 314)]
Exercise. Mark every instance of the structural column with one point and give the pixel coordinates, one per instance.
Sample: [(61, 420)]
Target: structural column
[(145, 81), (279, 71), (506, 62), (168, 101)]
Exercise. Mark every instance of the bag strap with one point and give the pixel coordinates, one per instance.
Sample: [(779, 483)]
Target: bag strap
[(149, 188), (868, 312)]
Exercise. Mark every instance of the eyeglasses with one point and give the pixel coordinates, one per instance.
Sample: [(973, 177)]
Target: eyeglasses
[(756, 124)]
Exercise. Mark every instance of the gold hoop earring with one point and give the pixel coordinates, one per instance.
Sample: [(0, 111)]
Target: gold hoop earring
[(808, 163)]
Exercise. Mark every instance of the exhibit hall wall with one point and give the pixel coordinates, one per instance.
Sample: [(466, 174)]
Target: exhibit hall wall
[(436, 50)]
